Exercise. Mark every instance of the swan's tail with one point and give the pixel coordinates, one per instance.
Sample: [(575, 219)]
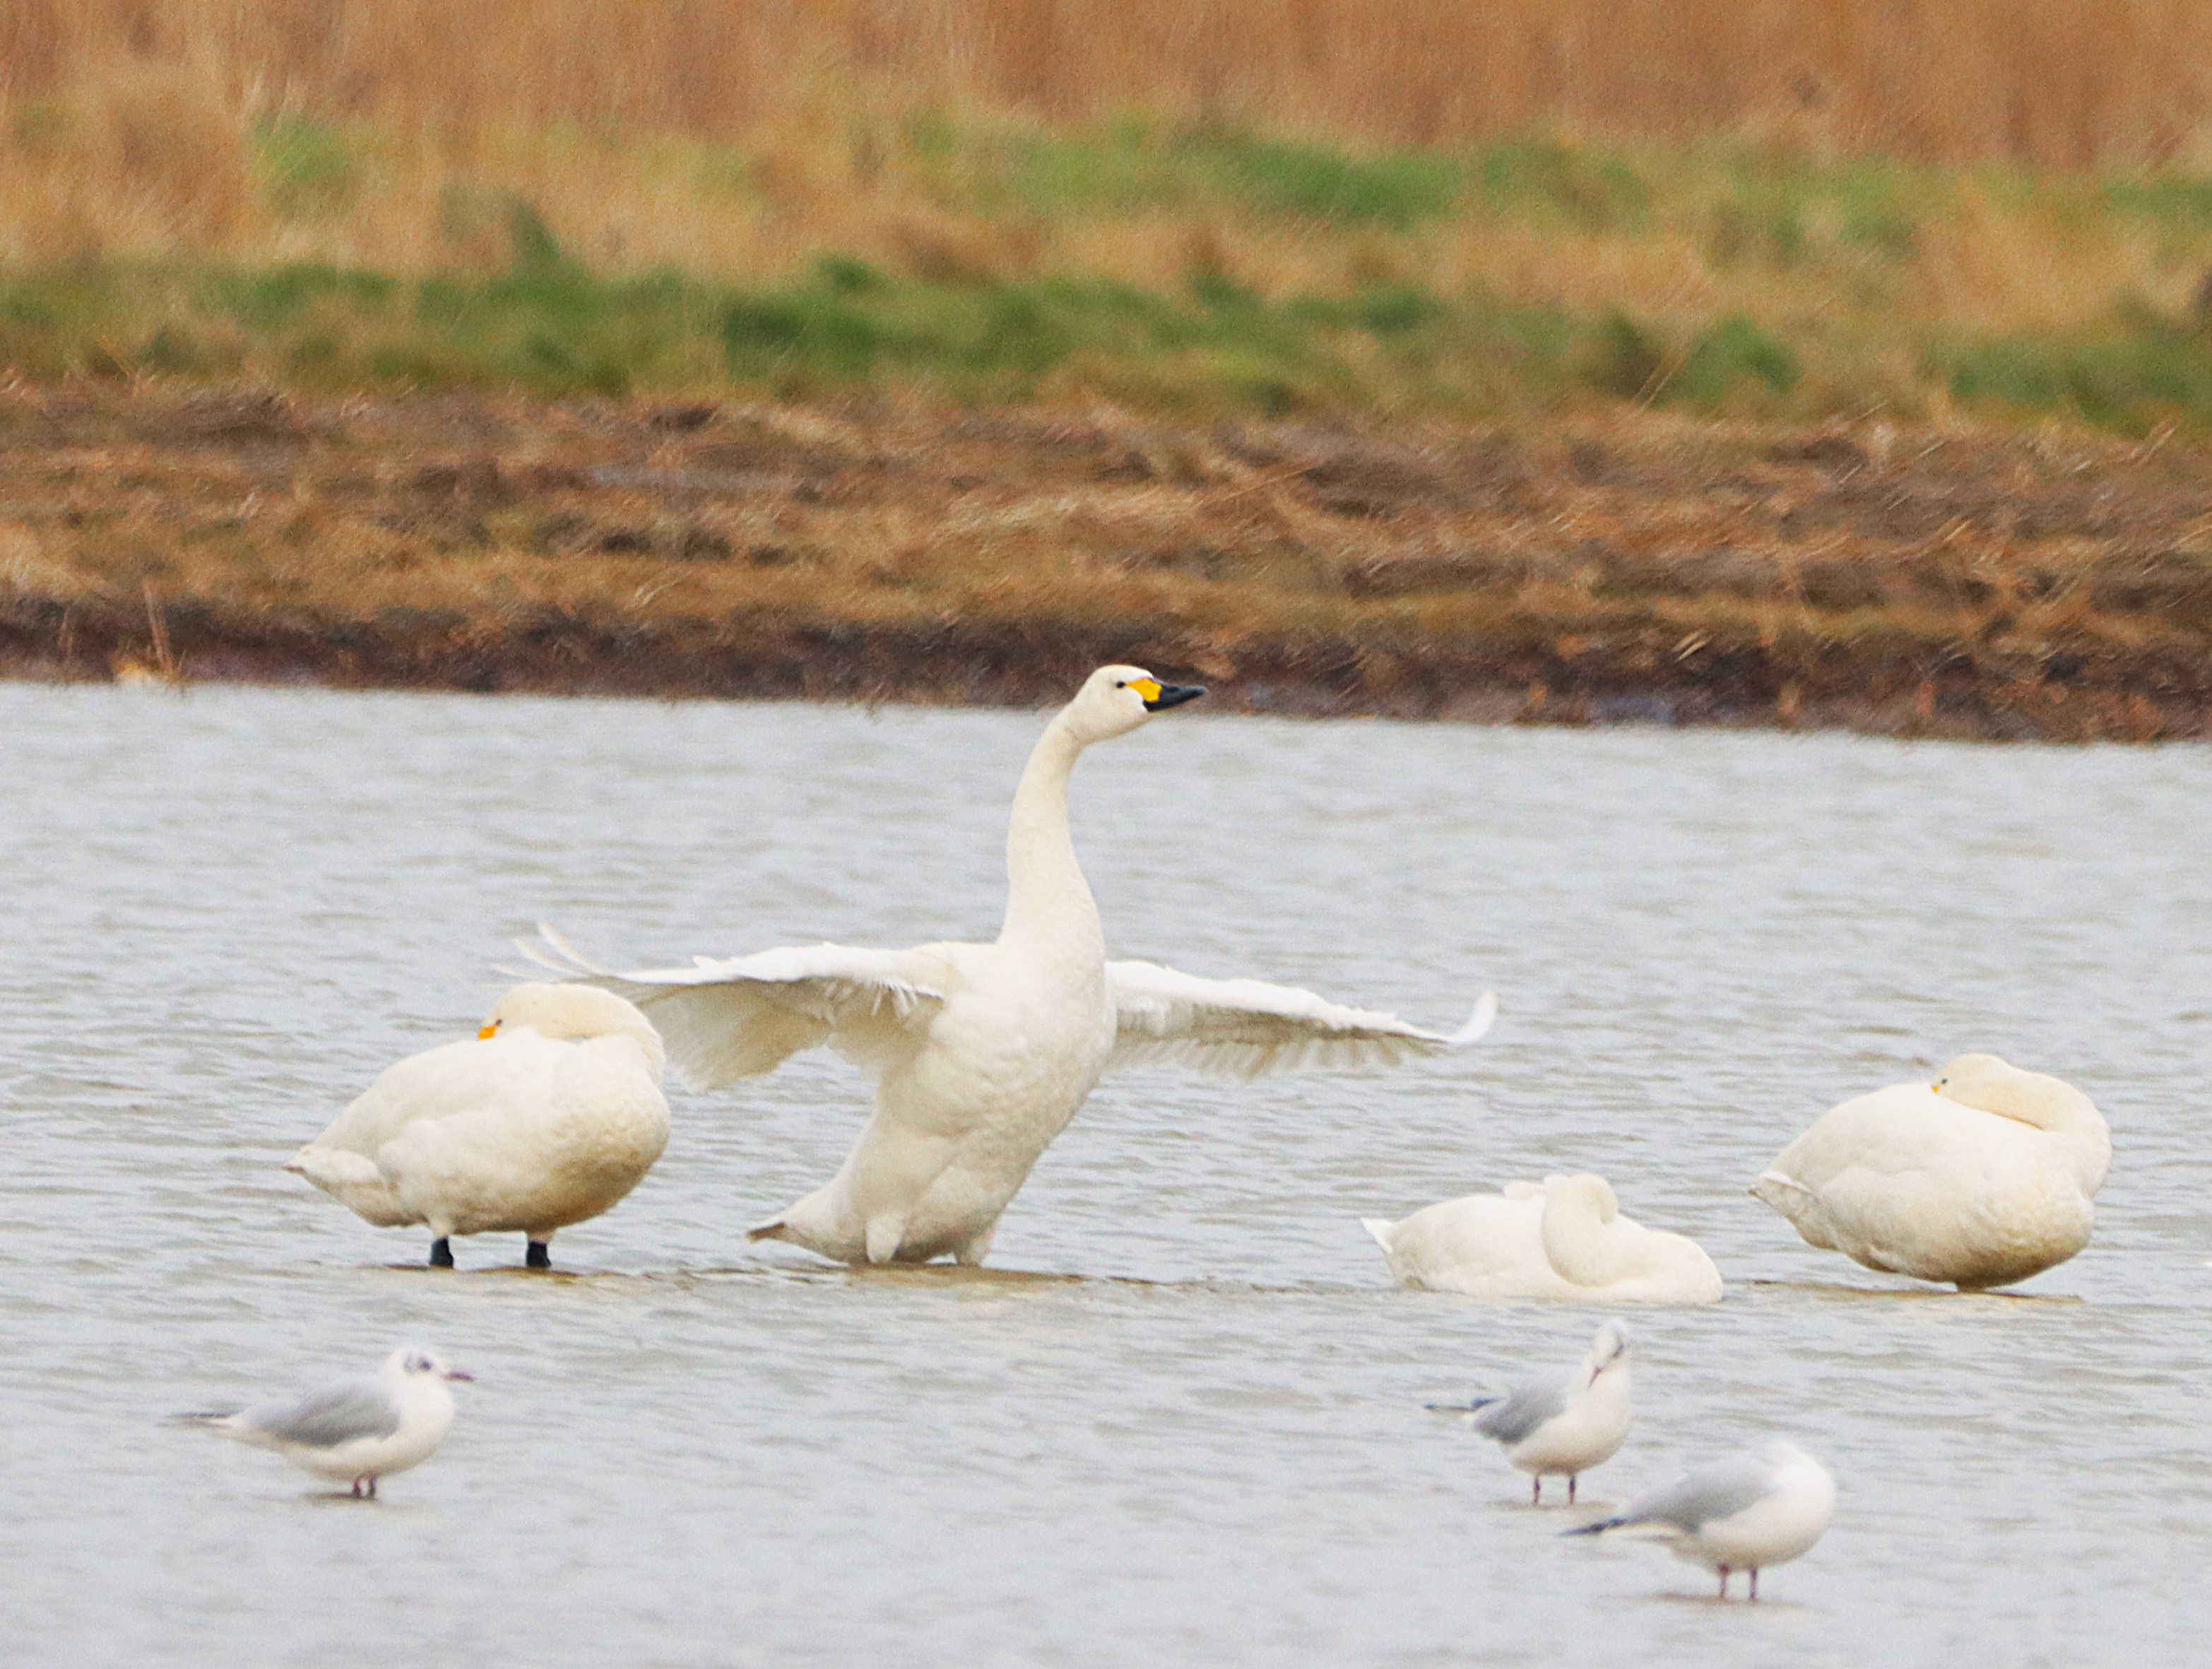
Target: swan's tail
[(1785, 1194), (1382, 1228), (353, 1180)]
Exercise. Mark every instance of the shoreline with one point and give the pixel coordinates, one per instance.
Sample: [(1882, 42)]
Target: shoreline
[(950, 666), (1964, 583)]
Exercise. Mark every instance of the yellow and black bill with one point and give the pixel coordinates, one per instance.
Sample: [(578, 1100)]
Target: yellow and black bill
[(1159, 697)]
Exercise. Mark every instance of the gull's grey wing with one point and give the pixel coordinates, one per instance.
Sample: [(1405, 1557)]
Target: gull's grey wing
[(1244, 1028), (1515, 1416), (337, 1414), (1719, 1490)]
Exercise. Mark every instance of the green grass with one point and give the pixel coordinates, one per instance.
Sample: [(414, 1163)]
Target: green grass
[(1752, 204), (2130, 375), (304, 167), (1825, 335), (549, 326), (1130, 166)]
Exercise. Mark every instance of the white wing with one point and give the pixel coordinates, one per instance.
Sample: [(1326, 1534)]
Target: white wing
[(723, 1020), (1244, 1028)]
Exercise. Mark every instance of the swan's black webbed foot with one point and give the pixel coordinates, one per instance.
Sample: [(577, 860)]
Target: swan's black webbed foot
[(540, 1256), (441, 1253)]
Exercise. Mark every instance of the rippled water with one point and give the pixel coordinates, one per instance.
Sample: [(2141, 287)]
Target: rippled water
[(225, 912)]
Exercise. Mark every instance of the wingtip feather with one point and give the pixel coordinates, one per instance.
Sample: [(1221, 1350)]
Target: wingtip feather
[(1594, 1529), (551, 950), (1478, 1023)]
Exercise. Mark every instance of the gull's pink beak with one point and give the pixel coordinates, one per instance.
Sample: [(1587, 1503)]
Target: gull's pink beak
[(460, 1373)]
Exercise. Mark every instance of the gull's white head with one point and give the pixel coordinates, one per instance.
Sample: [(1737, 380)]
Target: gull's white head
[(412, 1362), (1115, 700), (565, 1013), (1608, 1351)]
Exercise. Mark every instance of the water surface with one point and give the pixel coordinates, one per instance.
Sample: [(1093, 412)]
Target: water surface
[(225, 912)]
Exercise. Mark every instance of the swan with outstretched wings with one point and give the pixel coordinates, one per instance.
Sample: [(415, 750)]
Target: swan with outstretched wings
[(982, 1052)]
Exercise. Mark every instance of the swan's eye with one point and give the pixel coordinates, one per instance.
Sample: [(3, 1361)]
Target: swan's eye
[(1120, 683)]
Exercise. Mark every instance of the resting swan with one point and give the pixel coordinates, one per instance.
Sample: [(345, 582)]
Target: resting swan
[(1560, 1238), (1983, 1179), (549, 1116), (982, 1052)]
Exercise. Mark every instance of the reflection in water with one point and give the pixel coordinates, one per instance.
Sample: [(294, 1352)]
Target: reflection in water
[(226, 912)]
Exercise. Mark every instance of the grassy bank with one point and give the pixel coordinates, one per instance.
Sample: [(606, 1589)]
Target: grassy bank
[(1635, 566), (1231, 272), (1784, 212)]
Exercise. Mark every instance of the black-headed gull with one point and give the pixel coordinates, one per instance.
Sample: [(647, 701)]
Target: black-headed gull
[(1762, 1507), (1556, 1423), (358, 1429)]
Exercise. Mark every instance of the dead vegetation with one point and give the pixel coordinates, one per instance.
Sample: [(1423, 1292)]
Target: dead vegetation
[(1910, 581), (2063, 83)]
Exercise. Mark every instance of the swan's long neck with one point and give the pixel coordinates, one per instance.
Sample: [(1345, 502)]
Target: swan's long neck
[(2062, 1111), (2076, 1122), (649, 1044), (1575, 1238), (1048, 903)]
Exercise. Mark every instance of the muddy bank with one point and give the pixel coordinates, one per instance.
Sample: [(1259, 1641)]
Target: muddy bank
[(1648, 570)]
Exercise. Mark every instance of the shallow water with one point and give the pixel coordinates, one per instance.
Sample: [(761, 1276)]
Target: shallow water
[(227, 911)]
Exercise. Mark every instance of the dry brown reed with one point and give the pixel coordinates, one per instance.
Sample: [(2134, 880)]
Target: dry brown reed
[(2058, 83)]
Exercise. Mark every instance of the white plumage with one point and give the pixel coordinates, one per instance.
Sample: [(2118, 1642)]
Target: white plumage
[(982, 1052), (1747, 1512), (548, 1116), (1983, 1179), (356, 1430), (1564, 1237), (1561, 1422)]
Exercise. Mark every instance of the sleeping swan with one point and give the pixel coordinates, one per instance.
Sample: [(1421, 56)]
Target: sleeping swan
[(982, 1052), (1560, 1238), (551, 1114), (1983, 1179)]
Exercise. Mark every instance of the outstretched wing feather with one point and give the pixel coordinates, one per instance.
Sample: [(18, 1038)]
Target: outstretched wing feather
[(742, 1016), (1246, 1028)]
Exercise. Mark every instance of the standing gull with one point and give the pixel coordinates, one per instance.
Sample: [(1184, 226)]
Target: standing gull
[(1762, 1507), (359, 1429), (1568, 1422), (982, 1052)]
